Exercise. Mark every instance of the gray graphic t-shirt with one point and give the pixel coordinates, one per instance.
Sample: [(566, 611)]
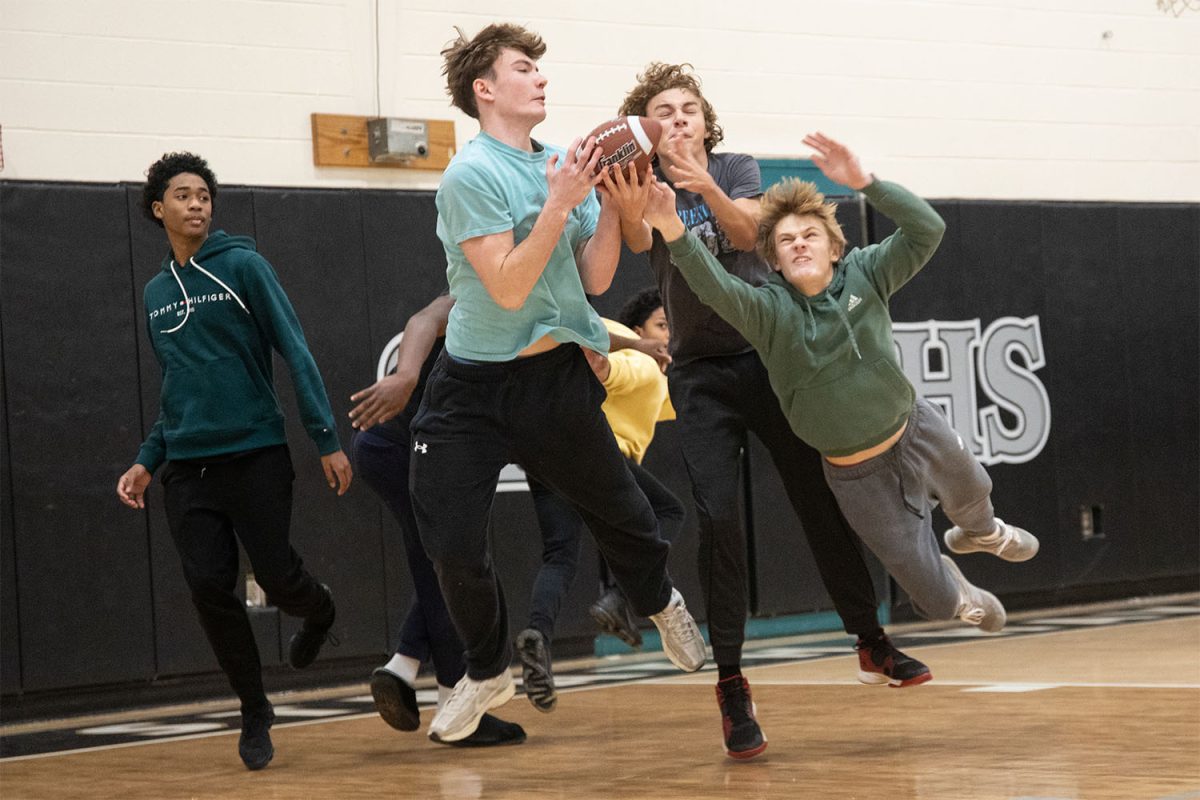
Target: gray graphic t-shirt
[(696, 330)]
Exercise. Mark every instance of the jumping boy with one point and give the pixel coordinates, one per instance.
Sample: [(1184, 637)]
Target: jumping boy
[(525, 239), (823, 329), (214, 313)]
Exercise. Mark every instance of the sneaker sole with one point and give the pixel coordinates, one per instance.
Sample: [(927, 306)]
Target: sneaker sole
[(610, 625), (875, 679), (450, 737), (743, 755), (390, 705), (538, 682)]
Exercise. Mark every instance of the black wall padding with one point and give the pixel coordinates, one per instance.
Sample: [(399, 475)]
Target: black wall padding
[(314, 239), (1115, 288), (1158, 257), (71, 399), (10, 630)]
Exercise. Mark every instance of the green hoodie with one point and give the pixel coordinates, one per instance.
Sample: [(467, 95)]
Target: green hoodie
[(213, 323), (830, 358)]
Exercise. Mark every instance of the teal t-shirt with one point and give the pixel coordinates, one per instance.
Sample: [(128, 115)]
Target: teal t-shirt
[(488, 188)]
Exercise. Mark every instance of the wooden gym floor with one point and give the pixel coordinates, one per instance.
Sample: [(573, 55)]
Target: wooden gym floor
[(1101, 702)]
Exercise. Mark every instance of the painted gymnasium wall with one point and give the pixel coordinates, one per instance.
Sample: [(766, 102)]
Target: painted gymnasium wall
[(1015, 99)]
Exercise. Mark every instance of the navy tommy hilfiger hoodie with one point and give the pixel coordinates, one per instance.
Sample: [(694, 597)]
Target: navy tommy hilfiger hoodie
[(213, 323)]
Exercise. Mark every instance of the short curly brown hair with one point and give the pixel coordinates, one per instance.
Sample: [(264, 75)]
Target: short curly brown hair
[(659, 77), (464, 60), (794, 196)]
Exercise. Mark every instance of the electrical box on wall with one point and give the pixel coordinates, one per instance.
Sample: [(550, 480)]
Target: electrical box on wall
[(341, 140), (390, 139)]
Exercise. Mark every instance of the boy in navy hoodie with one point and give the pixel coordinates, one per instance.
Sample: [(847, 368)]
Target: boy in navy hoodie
[(214, 313)]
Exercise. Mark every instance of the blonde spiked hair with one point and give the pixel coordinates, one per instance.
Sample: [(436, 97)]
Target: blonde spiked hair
[(794, 196)]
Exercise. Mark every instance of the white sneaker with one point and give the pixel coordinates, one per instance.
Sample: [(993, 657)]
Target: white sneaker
[(976, 606), (1007, 541), (681, 639), (469, 701)]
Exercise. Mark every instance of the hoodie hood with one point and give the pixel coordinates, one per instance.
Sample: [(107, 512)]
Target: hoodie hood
[(215, 245), (218, 242)]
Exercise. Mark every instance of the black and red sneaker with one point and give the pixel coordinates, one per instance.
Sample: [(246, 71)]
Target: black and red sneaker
[(743, 737), (880, 662)]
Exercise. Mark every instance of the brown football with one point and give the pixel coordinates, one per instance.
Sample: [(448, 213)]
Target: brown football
[(626, 140)]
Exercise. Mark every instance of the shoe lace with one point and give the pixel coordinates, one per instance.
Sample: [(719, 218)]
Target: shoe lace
[(974, 614), (462, 697), (677, 620)]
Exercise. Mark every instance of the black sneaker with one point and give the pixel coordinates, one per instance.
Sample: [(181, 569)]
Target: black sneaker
[(395, 700), (613, 615), (535, 670), (492, 732), (743, 737), (306, 643), (879, 662), (254, 745)]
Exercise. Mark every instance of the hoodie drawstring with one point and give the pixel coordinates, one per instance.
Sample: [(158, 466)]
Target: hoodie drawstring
[(187, 300), (849, 331)]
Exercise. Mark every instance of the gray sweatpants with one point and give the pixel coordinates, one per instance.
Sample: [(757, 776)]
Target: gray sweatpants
[(889, 501)]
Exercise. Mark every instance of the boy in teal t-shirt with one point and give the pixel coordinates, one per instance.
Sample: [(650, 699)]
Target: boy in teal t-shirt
[(525, 242)]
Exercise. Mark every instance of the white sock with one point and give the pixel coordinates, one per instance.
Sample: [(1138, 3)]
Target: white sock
[(404, 667), (443, 694)]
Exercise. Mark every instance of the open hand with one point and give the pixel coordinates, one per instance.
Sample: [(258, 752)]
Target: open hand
[(630, 194), (381, 401), (570, 183), (837, 162)]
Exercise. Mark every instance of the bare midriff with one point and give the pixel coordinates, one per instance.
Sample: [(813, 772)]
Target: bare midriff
[(870, 452), (540, 346)]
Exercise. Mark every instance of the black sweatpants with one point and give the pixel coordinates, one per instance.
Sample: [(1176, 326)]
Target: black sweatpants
[(542, 412), (427, 633), (211, 505), (717, 401), (562, 527)]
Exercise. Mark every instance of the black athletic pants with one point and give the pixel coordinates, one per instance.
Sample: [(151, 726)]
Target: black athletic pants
[(542, 412), (427, 633), (561, 527), (211, 505), (718, 400)]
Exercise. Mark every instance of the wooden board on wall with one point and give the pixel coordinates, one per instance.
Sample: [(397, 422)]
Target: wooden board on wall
[(341, 141)]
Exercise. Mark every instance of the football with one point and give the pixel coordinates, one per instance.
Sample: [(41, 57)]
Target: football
[(626, 140)]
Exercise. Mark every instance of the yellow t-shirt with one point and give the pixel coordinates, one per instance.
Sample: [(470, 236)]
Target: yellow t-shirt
[(637, 396)]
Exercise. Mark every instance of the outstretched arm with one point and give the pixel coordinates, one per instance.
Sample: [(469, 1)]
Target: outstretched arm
[(736, 301), (737, 217), (389, 395), (894, 261)]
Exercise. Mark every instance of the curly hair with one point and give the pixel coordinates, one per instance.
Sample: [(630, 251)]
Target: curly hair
[(659, 77), (638, 308), (464, 60), (794, 196), (167, 167)]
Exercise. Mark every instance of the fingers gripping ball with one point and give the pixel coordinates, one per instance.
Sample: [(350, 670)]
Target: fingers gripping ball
[(626, 140)]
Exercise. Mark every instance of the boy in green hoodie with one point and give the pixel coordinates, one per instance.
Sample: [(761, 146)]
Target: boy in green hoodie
[(214, 313), (823, 330)]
